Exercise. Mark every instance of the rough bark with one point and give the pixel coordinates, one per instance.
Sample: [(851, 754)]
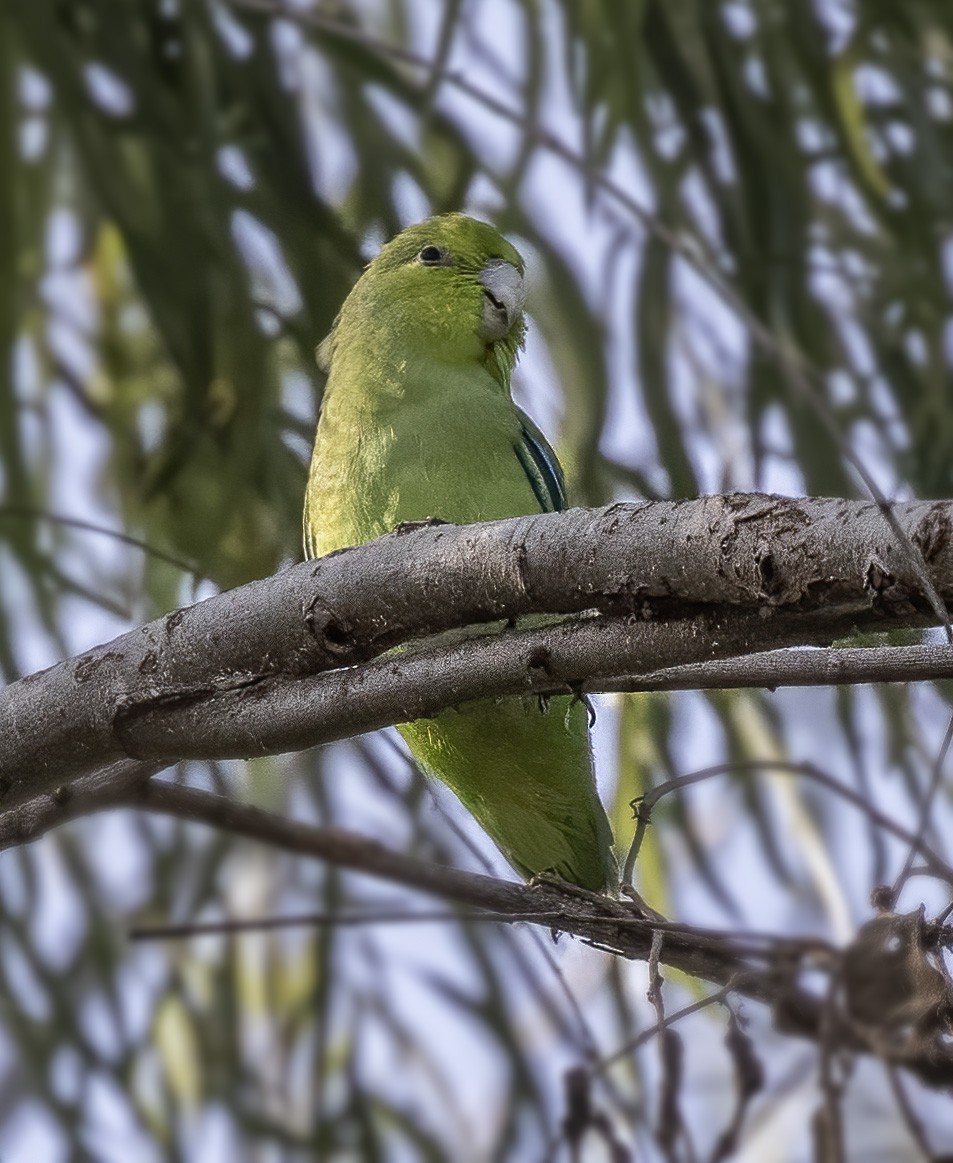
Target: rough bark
[(652, 585), (642, 596)]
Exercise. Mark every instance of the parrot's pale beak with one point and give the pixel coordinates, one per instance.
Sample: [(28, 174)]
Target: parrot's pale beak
[(503, 298)]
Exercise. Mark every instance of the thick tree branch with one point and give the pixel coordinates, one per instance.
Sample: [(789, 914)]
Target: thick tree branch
[(658, 584), (285, 713)]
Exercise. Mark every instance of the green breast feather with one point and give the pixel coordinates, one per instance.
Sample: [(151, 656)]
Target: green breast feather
[(417, 422)]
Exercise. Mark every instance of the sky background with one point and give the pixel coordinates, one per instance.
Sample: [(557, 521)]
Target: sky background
[(403, 1012)]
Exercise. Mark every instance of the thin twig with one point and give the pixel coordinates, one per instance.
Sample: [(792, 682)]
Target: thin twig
[(30, 513), (325, 920), (828, 1121), (644, 805), (667, 1020), (925, 808), (908, 1114)]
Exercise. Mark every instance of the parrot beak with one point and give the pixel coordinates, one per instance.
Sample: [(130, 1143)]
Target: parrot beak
[(503, 298)]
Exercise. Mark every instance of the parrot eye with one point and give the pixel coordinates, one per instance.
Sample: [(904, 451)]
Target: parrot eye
[(433, 256)]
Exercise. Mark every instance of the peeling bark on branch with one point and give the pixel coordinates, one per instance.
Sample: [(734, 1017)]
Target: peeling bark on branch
[(652, 585)]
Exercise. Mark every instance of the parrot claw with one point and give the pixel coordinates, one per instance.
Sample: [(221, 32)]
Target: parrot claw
[(590, 708), (406, 527)]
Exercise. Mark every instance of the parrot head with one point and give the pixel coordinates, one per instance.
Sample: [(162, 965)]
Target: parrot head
[(450, 287)]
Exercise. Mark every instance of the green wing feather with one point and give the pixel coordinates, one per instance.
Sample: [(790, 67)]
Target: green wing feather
[(541, 466)]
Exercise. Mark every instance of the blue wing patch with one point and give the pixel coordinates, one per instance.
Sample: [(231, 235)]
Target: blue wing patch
[(541, 466)]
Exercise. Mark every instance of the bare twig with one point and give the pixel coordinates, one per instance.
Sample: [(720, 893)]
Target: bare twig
[(749, 1080), (669, 1125), (828, 1122), (637, 1042), (925, 809), (644, 805), (909, 1115), (388, 916), (32, 513)]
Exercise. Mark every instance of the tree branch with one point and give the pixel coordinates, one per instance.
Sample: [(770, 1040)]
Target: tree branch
[(775, 970), (839, 666), (653, 585), (285, 713)]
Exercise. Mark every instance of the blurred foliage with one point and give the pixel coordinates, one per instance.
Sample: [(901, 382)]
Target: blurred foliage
[(189, 189)]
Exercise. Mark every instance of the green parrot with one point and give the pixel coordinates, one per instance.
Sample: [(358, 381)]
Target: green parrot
[(417, 422)]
